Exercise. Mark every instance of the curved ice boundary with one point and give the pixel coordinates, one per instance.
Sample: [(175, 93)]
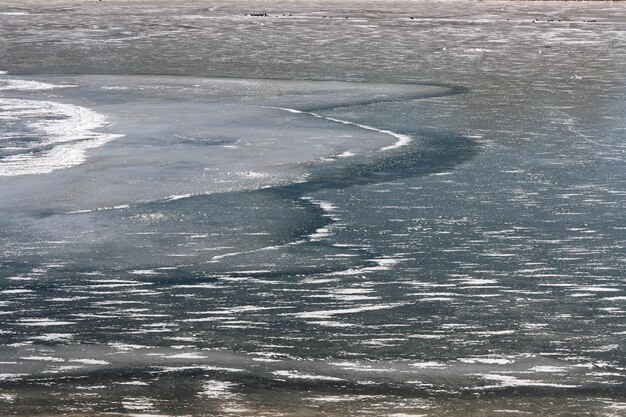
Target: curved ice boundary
[(328, 210), (64, 133), (401, 140)]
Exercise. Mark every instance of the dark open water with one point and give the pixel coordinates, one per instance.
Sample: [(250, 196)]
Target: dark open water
[(402, 209)]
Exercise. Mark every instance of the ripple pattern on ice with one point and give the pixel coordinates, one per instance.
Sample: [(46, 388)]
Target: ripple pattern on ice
[(44, 136)]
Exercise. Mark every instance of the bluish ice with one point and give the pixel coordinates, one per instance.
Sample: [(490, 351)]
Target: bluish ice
[(393, 211)]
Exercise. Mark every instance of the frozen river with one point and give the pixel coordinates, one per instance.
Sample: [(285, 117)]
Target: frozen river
[(312, 208)]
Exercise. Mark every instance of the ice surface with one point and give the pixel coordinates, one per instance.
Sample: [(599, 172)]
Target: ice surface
[(255, 242), (65, 132)]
